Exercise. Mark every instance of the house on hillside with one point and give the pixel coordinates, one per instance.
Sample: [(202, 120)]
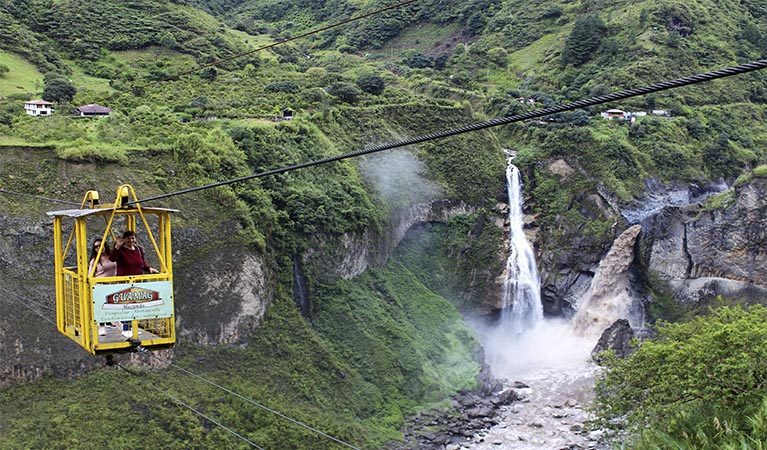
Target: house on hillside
[(38, 108), (614, 114), (93, 110), (619, 114)]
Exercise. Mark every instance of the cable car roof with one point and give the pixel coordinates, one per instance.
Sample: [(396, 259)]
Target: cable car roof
[(93, 211)]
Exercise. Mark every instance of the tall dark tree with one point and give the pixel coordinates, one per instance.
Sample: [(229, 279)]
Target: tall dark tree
[(58, 89), (371, 83), (346, 92), (209, 73), (584, 40)]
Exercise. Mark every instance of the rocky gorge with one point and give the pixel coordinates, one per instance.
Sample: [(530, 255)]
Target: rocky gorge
[(677, 257)]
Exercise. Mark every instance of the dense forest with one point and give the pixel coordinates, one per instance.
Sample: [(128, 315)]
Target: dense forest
[(197, 97)]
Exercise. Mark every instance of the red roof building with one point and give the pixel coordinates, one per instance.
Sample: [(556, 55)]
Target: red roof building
[(93, 110)]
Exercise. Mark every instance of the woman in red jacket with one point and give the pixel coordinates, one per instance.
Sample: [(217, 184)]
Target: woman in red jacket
[(129, 257)]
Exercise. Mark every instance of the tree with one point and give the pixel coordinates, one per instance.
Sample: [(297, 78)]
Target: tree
[(498, 56), (710, 367), (419, 61), (250, 71), (718, 157), (371, 83), (58, 89), (199, 102), (346, 92), (579, 117), (441, 60), (168, 41), (3, 70), (283, 86), (209, 73), (583, 40)]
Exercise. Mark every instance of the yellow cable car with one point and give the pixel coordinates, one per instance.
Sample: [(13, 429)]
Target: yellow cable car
[(84, 301)]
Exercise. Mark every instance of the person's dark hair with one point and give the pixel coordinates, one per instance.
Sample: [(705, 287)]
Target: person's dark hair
[(128, 233), (95, 248)]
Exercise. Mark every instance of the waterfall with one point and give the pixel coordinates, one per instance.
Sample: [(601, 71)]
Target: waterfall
[(522, 342), (610, 297), (551, 356), (301, 289), (522, 308)]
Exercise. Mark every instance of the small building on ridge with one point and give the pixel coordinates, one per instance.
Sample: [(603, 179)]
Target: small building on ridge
[(93, 110), (38, 108)]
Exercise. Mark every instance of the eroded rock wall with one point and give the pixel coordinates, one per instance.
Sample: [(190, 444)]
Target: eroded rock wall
[(703, 253)]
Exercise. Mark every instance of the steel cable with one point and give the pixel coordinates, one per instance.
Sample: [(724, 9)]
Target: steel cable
[(18, 299), (266, 408), (54, 200), (199, 413), (656, 87)]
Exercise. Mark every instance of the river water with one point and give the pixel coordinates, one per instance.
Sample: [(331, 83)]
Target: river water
[(550, 366)]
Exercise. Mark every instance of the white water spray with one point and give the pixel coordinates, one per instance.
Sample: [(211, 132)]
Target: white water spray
[(522, 309), (523, 343), (548, 355)]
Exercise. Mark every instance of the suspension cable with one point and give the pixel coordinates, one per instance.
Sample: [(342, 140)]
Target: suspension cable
[(54, 200), (199, 413), (18, 299), (283, 41), (175, 399), (8, 295), (656, 87), (252, 402)]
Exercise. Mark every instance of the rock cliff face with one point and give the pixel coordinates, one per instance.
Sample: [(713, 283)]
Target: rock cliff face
[(686, 251), (30, 345), (350, 254), (704, 253), (220, 295), (221, 290), (610, 297), (567, 271), (220, 300)]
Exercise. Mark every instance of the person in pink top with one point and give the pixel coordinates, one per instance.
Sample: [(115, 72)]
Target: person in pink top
[(129, 257), (104, 268)]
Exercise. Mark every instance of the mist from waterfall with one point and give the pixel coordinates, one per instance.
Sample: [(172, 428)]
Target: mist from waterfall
[(551, 356), (523, 341)]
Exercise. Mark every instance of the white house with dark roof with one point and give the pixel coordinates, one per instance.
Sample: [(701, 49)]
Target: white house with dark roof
[(93, 110), (38, 108)]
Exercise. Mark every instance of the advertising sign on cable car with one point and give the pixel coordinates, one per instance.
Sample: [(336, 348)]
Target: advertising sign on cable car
[(132, 301)]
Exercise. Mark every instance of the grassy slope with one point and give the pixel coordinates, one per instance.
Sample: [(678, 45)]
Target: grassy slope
[(21, 78)]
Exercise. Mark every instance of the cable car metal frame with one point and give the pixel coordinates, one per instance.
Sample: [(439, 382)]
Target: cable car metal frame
[(83, 300)]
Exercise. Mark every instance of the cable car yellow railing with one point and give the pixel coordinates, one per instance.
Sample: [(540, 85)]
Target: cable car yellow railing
[(141, 304)]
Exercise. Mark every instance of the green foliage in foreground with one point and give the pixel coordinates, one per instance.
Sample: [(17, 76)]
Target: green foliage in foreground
[(702, 383), (717, 434), (378, 347)]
